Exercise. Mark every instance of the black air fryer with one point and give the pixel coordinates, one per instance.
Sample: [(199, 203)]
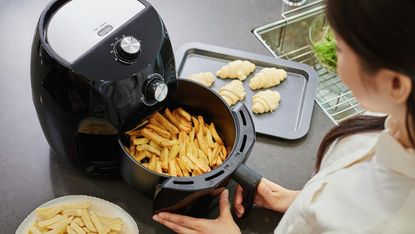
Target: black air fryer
[(98, 69)]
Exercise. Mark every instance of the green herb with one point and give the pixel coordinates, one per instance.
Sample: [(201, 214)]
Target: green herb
[(325, 50)]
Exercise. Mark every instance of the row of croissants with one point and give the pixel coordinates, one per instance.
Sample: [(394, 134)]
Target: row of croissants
[(263, 101)]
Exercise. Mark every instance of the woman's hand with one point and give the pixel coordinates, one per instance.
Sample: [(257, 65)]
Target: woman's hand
[(185, 224), (268, 195)]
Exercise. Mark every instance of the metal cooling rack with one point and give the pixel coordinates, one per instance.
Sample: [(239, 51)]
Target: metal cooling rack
[(289, 39)]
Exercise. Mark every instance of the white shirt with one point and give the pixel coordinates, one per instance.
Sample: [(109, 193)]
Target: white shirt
[(366, 184)]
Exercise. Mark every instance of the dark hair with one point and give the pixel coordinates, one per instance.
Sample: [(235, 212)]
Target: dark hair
[(381, 33)]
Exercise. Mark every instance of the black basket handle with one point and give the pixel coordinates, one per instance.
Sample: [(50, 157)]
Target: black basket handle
[(243, 175), (248, 179)]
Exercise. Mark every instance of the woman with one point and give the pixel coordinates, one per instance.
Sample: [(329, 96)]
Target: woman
[(365, 180)]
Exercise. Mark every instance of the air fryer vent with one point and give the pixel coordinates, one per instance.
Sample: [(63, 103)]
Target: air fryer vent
[(243, 144)]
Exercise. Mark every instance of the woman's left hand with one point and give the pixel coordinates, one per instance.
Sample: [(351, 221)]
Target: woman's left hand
[(185, 224)]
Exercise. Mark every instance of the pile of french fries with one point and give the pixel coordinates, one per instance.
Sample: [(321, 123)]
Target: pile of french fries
[(176, 143), (73, 218)]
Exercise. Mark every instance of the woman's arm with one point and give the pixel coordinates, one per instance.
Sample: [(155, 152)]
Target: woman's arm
[(269, 195)]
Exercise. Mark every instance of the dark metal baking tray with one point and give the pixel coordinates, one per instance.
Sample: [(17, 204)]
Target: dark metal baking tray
[(291, 120)]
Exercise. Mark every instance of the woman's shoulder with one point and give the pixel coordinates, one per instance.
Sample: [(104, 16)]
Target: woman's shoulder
[(349, 146)]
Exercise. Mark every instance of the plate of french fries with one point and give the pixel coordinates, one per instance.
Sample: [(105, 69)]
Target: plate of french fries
[(176, 143), (78, 214)]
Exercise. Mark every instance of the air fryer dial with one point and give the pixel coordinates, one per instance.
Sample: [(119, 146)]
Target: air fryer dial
[(156, 89), (128, 49)]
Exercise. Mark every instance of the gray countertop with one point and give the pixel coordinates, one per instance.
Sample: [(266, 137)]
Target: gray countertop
[(30, 175)]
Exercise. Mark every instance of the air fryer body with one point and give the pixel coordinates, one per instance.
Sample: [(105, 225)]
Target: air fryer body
[(87, 90)]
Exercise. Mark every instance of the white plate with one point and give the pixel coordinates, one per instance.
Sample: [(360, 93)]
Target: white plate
[(98, 205)]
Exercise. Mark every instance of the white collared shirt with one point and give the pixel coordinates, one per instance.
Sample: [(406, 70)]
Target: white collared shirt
[(366, 184)]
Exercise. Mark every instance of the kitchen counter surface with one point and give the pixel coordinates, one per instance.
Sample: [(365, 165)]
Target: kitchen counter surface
[(30, 175)]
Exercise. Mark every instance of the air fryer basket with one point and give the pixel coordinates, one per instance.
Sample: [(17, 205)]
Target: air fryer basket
[(236, 129)]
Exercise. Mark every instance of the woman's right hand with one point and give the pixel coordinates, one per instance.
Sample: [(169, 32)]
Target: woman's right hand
[(268, 195)]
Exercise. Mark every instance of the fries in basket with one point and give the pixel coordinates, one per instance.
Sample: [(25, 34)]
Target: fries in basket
[(177, 144)]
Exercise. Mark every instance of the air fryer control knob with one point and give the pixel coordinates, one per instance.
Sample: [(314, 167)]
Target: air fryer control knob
[(156, 90), (128, 48)]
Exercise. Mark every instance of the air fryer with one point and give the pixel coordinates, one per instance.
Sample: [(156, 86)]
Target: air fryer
[(97, 67)]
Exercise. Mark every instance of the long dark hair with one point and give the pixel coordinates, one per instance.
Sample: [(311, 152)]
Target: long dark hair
[(381, 33)]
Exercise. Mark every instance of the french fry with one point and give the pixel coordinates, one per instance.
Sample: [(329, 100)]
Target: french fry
[(70, 230), (182, 120), (154, 122), (70, 218), (184, 113), (135, 133), (163, 133), (213, 157), (97, 223), (182, 145), (141, 155), (55, 225), (176, 122), (75, 226), (210, 150), (59, 229), (35, 230), (197, 172), (153, 162), (164, 158), (201, 142), (196, 144), (132, 149), (201, 123), (166, 124), (209, 139), (79, 222), (112, 223), (192, 135), (198, 163), (149, 148), (196, 124), (215, 134), (87, 221), (178, 170), (219, 161), (224, 153), (55, 219), (72, 212), (145, 165), (183, 167), (203, 157), (154, 145), (173, 152), (140, 141), (163, 142), (158, 167), (188, 163), (172, 168)]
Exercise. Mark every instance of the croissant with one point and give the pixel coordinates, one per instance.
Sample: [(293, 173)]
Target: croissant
[(205, 78), (236, 69), (267, 78), (265, 101), (233, 92)]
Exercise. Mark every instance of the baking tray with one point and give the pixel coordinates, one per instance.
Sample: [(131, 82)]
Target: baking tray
[(291, 120)]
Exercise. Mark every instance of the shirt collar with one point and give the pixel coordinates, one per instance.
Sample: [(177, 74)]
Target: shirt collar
[(389, 153)]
